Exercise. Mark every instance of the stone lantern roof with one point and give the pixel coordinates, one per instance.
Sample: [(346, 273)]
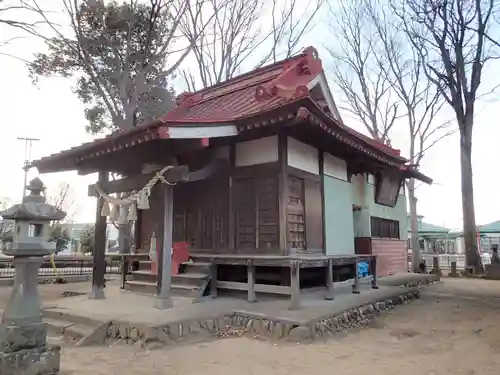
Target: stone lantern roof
[(34, 206)]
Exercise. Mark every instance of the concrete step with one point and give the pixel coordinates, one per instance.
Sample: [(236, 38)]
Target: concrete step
[(141, 286), (185, 290), (57, 314), (142, 275), (192, 279), (68, 329), (150, 288), (195, 267)]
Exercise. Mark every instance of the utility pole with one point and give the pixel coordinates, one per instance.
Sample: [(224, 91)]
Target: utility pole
[(28, 143)]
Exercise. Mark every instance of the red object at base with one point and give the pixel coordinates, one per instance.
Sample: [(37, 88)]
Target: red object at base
[(180, 254)]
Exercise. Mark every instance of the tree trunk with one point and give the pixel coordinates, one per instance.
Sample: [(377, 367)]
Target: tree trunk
[(469, 217), (415, 243)]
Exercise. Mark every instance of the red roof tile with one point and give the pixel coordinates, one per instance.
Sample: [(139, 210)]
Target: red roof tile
[(241, 98), (255, 92), (249, 94)]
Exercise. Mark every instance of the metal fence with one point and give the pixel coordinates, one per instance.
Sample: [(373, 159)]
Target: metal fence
[(65, 265)]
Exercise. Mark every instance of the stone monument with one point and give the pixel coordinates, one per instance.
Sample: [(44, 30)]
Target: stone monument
[(23, 335)]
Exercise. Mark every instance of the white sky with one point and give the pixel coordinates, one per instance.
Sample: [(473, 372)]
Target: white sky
[(54, 114)]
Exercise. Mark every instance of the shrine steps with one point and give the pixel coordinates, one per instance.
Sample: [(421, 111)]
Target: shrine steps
[(192, 281)]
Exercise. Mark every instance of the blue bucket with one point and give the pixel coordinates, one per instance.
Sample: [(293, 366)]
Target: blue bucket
[(363, 269)]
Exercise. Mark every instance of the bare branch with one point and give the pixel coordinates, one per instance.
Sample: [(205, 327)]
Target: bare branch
[(17, 16), (236, 33), (63, 197), (358, 68)]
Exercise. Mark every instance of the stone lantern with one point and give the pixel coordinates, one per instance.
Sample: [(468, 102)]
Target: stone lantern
[(23, 335)]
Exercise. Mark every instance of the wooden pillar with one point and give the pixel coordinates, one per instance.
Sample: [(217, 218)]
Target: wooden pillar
[(213, 280), (329, 280), (99, 258), (355, 286), (231, 228), (163, 298), (251, 281), (322, 192), (295, 285), (125, 264), (453, 272), (283, 193), (374, 272)]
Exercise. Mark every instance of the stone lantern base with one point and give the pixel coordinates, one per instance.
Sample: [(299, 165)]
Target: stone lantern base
[(21, 355), (23, 335)]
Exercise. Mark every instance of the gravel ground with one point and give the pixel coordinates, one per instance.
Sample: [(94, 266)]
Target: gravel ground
[(453, 329)]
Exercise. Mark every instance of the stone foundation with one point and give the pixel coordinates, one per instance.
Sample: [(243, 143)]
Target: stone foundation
[(35, 361), (420, 283), (492, 271), (239, 324)]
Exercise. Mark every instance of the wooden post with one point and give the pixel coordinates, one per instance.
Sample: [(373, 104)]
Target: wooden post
[(213, 281), (329, 280), (251, 281), (163, 298), (355, 286), (321, 158), (374, 272), (436, 268), (125, 268), (295, 285), (453, 272), (283, 194), (232, 158), (99, 261)]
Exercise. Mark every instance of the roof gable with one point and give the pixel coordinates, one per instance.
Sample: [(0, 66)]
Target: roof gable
[(295, 88), (248, 94)]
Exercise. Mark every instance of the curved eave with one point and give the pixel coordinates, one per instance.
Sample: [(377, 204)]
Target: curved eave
[(413, 173)]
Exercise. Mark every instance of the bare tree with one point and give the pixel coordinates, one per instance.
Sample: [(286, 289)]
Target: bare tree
[(452, 38), (5, 225), (63, 197), (403, 68), (121, 55), (359, 63), (243, 29), (389, 88), (14, 17), (14, 13)]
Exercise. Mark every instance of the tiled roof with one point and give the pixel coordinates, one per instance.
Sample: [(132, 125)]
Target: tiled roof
[(431, 228), (248, 94), (493, 227), (262, 91)]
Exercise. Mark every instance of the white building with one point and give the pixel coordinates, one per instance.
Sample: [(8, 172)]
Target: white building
[(75, 231)]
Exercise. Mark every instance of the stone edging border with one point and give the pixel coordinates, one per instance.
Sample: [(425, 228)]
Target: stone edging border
[(237, 324)]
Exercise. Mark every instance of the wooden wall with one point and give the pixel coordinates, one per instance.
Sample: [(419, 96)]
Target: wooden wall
[(392, 255), (201, 212), (305, 212), (238, 210)]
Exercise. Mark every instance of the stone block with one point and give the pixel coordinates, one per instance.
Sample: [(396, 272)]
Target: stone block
[(36, 361), (492, 271), (15, 338)]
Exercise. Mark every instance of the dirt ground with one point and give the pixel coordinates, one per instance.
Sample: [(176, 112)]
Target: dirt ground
[(452, 329)]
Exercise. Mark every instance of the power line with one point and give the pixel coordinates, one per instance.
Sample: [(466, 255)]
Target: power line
[(28, 145)]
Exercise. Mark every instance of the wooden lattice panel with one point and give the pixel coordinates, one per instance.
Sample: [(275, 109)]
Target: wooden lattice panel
[(296, 213)]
